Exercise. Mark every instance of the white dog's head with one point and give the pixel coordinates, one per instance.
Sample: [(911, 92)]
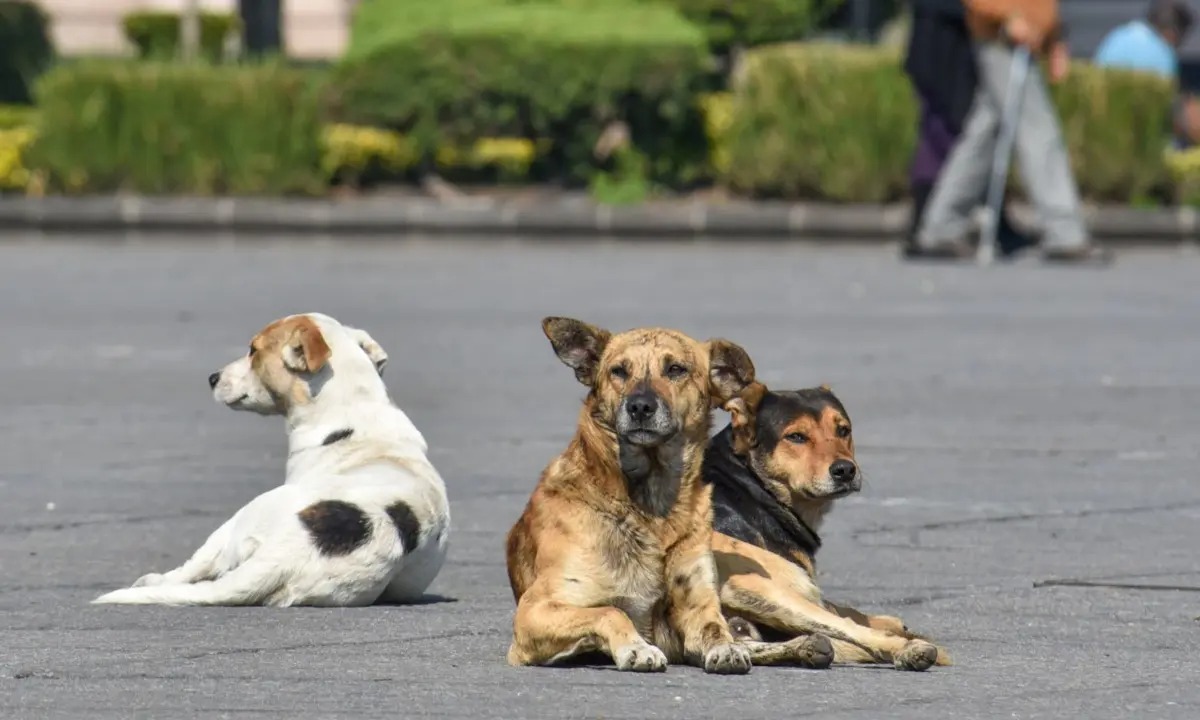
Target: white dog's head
[(293, 360)]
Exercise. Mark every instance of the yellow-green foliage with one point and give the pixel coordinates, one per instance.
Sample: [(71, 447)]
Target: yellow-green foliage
[(14, 142)]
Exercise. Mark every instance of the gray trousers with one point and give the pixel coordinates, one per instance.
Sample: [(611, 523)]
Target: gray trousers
[(1041, 156)]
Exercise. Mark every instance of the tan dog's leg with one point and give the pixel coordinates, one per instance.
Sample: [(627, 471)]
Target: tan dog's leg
[(695, 609), (886, 623), (546, 632), (767, 601)]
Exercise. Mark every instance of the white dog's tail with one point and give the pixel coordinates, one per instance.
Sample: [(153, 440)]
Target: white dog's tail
[(248, 584)]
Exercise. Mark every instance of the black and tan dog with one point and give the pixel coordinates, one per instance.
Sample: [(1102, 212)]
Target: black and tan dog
[(612, 554), (775, 472)]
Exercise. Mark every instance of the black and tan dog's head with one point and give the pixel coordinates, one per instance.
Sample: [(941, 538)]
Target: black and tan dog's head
[(799, 443), (650, 385)]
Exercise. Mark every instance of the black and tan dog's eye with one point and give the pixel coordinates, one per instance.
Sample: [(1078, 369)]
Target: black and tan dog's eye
[(843, 431), (797, 438), (676, 371), (619, 372)]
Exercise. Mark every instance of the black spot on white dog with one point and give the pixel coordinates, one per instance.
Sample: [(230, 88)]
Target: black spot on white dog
[(336, 527), (408, 527), (337, 435)]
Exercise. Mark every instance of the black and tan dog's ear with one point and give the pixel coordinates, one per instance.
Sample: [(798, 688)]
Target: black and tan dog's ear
[(743, 412), (730, 371), (372, 348), (578, 345)]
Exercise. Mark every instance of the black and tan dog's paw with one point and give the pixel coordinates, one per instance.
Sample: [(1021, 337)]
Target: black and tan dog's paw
[(917, 655)]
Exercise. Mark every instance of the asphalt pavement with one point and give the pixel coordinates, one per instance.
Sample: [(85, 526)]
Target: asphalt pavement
[(1024, 431)]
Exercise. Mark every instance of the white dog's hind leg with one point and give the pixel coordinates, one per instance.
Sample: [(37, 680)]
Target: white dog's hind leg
[(251, 583), (202, 565)]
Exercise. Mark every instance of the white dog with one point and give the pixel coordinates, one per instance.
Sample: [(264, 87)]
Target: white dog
[(362, 515)]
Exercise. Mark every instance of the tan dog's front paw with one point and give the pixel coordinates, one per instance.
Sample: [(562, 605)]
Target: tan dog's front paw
[(640, 658), (727, 659), (917, 655)]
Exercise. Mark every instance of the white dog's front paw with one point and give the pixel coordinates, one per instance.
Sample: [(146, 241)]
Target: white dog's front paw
[(150, 580), (641, 658)]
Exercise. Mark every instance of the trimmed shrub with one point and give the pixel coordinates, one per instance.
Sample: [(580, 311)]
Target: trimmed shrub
[(821, 121), (746, 23), (15, 116), (1117, 125), (828, 122), (25, 49), (170, 128), (450, 72), (156, 34)]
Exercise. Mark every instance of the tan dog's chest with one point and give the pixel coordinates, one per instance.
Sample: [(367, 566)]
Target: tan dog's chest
[(625, 567)]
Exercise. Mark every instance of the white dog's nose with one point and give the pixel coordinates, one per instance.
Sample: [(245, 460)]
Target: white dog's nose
[(213, 380)]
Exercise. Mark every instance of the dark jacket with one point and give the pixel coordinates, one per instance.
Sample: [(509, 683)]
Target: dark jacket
[(940, 61)]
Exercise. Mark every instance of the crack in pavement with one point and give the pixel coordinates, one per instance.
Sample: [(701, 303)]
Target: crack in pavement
[(133, 520), (1070, 582)]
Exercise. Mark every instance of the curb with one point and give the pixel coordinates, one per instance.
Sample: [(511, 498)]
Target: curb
[(572, 217)]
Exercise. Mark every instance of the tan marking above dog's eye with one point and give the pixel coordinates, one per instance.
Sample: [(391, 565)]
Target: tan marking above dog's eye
[(797, 438), (676, 371), (843, 431), (619, 372)]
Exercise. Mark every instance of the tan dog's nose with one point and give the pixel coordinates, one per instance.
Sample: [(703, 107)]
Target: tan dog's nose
[(642, 406), (213, 380)]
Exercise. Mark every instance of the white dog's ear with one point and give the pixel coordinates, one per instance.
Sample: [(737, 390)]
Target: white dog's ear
[(373, 349), (305, 350)]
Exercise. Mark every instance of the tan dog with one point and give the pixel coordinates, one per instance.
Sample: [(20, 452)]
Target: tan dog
[(776, 471), (612, 554)]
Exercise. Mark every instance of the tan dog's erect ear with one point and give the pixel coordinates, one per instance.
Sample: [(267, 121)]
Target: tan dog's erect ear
[(730, 371), (578, 345), (742, 410), (306, 350), (373, 349)]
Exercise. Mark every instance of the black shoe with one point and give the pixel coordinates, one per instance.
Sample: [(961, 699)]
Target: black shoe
[(1011, 240), (1089, 254), (958, 250), (920, 198)]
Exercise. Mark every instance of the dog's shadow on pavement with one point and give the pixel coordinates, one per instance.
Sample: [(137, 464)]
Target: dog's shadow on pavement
[(426, 599)]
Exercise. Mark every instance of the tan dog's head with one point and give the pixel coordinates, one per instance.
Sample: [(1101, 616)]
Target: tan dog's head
[(798, 442), (293, 360), (650, 385)]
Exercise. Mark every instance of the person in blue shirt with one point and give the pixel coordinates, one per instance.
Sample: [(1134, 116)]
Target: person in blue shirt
[(1149, 45)]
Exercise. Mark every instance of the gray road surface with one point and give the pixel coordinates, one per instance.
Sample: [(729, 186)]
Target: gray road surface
[(1017, 425)]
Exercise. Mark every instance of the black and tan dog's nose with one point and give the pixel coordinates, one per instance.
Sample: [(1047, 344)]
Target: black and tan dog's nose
[(842, 471), (213, 380), (641, 406)]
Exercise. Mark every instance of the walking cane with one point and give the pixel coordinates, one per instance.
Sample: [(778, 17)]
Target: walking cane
[(1009, 121)]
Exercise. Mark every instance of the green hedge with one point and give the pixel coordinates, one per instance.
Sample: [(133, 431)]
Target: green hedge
[(193, 129), (556, 72), (838, 123), (156, 34), (747, 23), (25, 49)]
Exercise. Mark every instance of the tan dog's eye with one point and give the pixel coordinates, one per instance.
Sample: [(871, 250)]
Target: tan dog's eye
[(843, 431), (676, 371), (797, 438), (619, 372), (252, 351)]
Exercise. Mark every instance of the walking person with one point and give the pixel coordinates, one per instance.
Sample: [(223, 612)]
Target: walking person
[(941, 65), (997, 28)]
